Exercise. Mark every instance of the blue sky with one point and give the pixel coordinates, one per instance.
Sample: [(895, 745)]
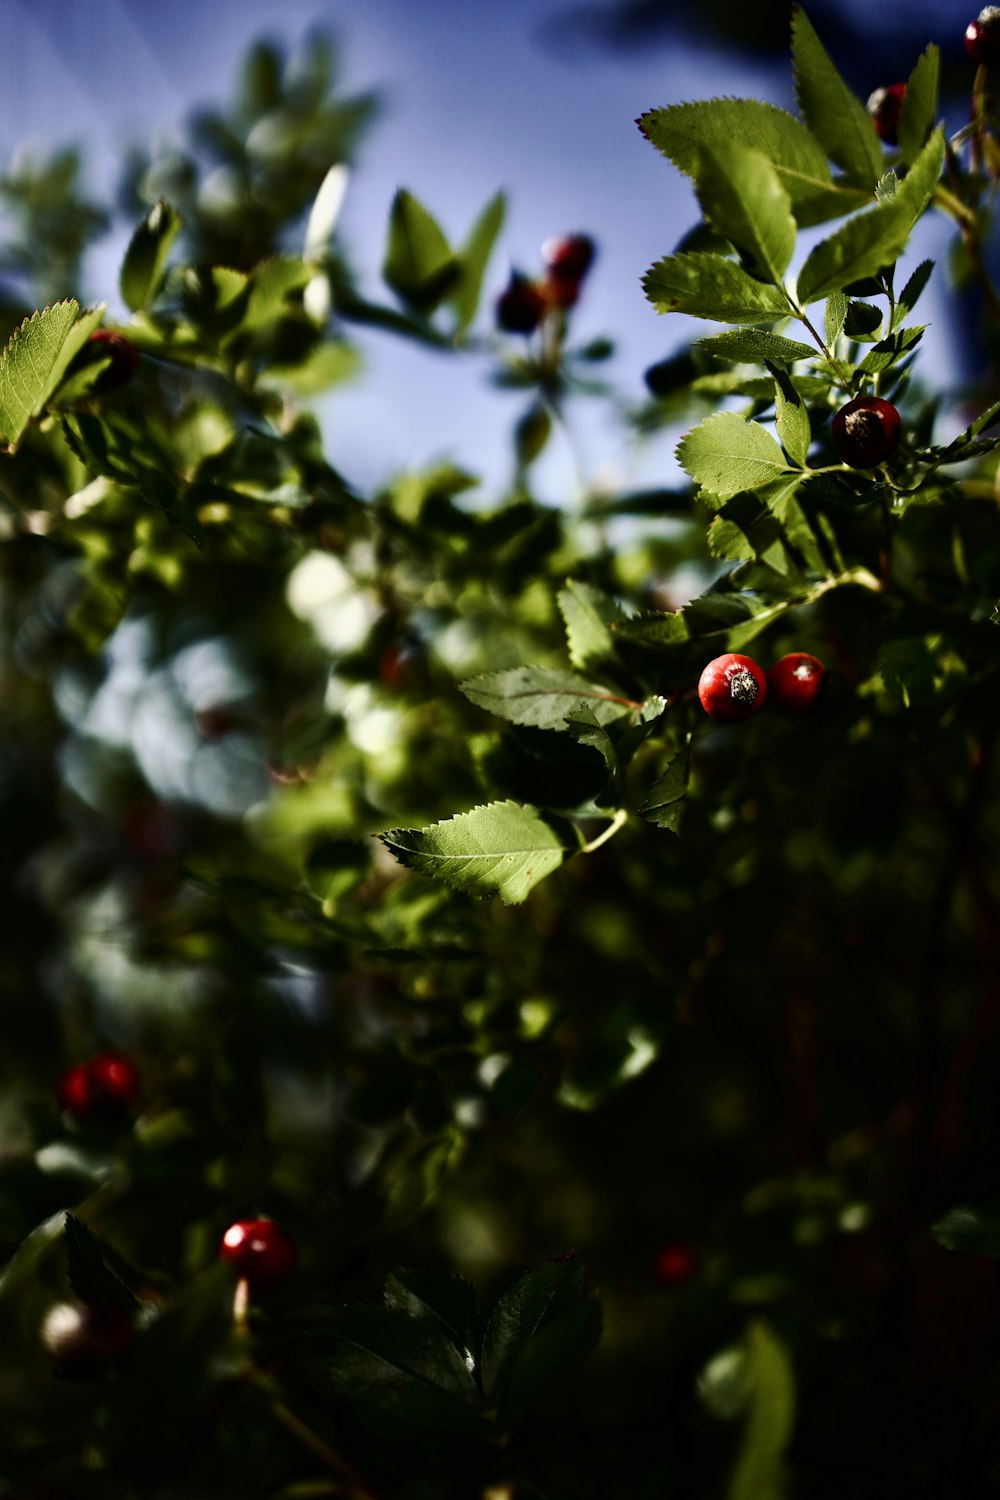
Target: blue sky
[(474, 101)]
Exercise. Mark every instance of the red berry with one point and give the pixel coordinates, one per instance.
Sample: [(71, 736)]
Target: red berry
[(885, 107), (675, 1263), (571, 255), (866, 431), (73, 1090), (84, 1341), (124, 359), (114, 1080), (521, 306), (567, 262), (260, 1250), (797, 683), (732, 687), (982, 36)]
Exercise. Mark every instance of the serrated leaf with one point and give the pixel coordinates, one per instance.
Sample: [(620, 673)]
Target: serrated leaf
[(91, 1277), (836, 314), (501, 847), (442, 1298), (419, 264), (759, 1471), (781, 499), (836, 117), (791, 418), (37, 356), (680, 131), (916, 119), (741, 195), (664, 805), (917, 187), (587, 613), (539, 696), (145, 260), (540, 1324), (585, 727), (745, 528), (726, 454), (858, 248), (706, 285), (754, 346), (973, 1229), (473, 260), (910, 294), (405, 1375)]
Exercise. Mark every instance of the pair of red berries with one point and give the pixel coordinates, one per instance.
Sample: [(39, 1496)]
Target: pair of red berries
[(102, 1090), (734, 687), (523, 304)]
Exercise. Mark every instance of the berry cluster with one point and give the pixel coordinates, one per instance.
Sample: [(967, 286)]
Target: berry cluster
[(102, 1090), (524, 303), (734, 687)]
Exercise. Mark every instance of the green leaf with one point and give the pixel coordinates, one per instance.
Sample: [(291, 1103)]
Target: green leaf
[(745, 528), (759, 1471), (917, 187), (587, 614), (754, 346), (500, 847), (706, 285), (858, 248), (585, 727), (36, 359), (532, 432), (726, 454), (682, 131), (920, 101), (664, 805), (93, 1280), (539, 696), (445, 1300), (781, 499), (405, 1375), (473, 259), (741, 194), (836, 117), (791, 418), (974, 1229), (540, 1324), (836, 316), (910, 294), (419, 264), (145, 260)]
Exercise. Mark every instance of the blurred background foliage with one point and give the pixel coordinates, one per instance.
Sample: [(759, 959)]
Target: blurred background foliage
[(741, 1072)]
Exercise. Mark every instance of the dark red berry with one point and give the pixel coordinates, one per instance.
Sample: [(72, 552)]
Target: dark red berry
[(675, 1263), (567, 261), (885, 107), (85, 1341), (261, 1252), (521, 306), (114, 1080), (982, 36), (797, 683), (732, 687), (123, 363), (569, 255), (866, 431), (73, 1090)]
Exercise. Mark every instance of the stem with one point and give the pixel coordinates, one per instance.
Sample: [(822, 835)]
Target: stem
[(618, 821), (352, 1485)]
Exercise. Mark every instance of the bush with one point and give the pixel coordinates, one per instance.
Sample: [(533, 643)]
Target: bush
[(590, 1086)]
